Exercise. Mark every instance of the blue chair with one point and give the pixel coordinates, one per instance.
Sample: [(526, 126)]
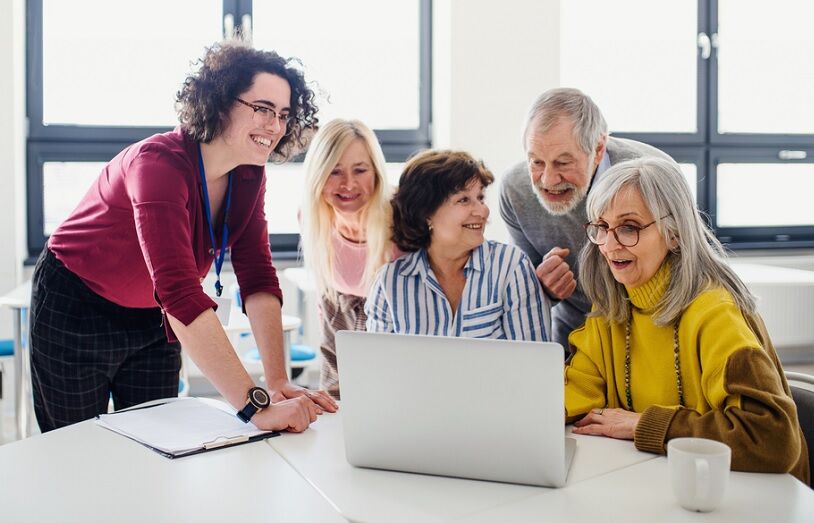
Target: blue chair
[(183, 387), (298, 353), (6, 350), (300, 356)]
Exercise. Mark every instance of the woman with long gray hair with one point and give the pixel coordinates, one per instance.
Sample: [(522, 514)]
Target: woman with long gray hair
[(673, 346)]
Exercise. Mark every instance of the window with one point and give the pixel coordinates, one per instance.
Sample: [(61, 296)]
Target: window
[(634, 36), (379, 34), (103, 75), (721, 86)]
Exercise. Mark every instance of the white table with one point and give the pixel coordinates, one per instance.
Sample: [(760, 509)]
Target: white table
[(642, 494), (17, 300), (608, 481), (307, 304), (377, 495), (84, 473), (239, 324)]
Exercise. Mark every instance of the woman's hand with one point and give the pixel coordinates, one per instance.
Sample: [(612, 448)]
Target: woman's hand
[(294, 415), (613, 423), (283, 389)]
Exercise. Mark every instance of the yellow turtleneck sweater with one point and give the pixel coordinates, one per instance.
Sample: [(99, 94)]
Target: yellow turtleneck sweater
[(734, 388)]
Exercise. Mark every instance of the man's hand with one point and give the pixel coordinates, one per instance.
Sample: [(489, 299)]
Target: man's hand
[(294, 415), (613, 423), (284, 389), (556, 276)]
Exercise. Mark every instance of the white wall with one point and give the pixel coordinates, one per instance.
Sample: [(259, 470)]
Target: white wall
[(490, 61), (12, 150)]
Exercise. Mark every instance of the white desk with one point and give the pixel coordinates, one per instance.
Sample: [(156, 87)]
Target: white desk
[(307, 304), (608, 481), (239, 324), (17, 300), (377, 495), (85, 473), (642, 493)]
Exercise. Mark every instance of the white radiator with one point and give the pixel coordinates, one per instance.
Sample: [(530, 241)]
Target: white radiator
[(785, 301)]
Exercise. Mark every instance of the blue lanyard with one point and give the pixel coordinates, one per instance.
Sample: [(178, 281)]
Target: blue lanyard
[(222, 252)]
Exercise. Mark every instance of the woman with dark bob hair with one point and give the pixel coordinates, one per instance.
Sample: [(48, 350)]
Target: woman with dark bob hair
[(453, 282), (674, 346), (117, 290)]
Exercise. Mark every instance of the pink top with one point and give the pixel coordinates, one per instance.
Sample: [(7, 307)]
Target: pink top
[(349, 265), (139, 236)]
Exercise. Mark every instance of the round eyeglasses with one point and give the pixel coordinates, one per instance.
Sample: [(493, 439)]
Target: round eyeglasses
[(626, 235), (264, 115)]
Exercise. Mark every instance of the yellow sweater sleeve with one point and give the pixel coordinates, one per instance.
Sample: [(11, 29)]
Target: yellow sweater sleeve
[(585, 386)]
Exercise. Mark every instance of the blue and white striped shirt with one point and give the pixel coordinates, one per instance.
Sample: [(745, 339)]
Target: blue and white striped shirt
[(502, 297)]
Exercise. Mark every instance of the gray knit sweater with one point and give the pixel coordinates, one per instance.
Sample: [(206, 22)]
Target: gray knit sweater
[(536, 231)]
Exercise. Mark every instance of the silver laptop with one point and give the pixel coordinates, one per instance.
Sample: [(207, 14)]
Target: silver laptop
[(470, 408)]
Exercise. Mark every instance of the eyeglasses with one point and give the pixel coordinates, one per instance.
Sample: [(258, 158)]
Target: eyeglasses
[(626, 235), (263, 115)]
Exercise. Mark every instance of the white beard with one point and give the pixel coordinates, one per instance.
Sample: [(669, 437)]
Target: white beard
[(563, 207), (578, 194)]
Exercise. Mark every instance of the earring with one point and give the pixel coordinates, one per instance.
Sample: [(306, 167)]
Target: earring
[(430, 226)]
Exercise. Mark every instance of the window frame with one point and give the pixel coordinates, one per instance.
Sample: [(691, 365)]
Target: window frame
[(101, 143), (707, 147), (768, 237), (697, 156)]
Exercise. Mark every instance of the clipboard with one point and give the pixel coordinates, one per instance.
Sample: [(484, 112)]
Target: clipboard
[(183, 427), (220, 443)]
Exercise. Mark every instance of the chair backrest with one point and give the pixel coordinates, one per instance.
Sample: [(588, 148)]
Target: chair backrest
[(804, 399)]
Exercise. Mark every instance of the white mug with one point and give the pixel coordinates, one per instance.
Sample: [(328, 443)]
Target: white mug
[(699, 471)]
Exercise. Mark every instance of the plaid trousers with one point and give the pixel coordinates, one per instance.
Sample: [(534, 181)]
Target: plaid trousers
[(85, 349), (347, 314)]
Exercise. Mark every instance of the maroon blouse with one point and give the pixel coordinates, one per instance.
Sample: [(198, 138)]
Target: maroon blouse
[(139, 236)]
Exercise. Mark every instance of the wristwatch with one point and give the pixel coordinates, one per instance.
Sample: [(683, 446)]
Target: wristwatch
[(258, 400)]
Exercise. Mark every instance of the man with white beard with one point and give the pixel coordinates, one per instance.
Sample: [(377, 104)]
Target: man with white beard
[(542, 200)]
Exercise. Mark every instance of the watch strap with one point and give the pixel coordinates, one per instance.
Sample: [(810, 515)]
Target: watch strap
[(247, 412)]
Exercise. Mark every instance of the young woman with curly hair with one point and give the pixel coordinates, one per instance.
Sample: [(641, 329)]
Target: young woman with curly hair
[(119, 284)]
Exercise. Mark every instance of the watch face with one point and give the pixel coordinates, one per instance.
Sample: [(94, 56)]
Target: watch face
[(259, 397)]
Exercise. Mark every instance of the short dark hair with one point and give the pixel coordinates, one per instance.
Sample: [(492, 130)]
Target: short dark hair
[(428, 179), (227, 70)]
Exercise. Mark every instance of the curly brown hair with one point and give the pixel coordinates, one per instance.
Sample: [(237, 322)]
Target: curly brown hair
[(227, 70), (428, 179)]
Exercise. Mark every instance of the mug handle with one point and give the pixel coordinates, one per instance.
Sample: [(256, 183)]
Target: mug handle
[(701, 478)]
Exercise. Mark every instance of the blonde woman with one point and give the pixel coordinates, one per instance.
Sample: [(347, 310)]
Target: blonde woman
[(346, 217)]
